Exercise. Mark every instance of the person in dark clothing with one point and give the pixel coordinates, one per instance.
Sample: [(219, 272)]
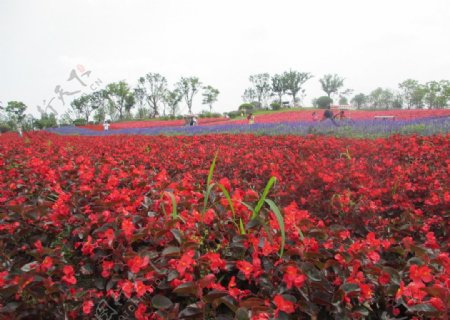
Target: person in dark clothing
[(328, 114)]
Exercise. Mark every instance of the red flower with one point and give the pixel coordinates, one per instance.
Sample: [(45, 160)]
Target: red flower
[(128, 228), (245, 267), (384, 278), (87, 306), (216, 263), (69, 277), (47, 264), (283, 305), (106, 268), (418, 274), (293, 278), (137, 263), (185, 263)]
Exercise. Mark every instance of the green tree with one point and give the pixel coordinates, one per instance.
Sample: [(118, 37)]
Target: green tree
[(119, 97), (323, 102), (172, 99), (47, 120), (382, 98), (444, 94), (331, 83), (409, 88), (437, 94), (279, 86), (189, 87), (210, 95), (261, 86), (153, 87), (249, 95), (16, 111), (360, 100), (293, 81), (85, 105)]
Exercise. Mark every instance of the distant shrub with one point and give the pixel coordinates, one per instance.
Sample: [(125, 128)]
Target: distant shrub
[(275, 105), (79, 122), (323, 102), (246, 107), (234, 114)]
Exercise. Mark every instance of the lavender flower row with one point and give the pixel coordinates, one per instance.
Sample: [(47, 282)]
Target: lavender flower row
[(349, 128)]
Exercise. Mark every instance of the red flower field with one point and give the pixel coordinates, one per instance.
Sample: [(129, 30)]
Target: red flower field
[(282, 227)]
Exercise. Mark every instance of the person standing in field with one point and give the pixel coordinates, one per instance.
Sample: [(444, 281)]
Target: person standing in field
[(328, 114), (106, 125), (315, 117), (251, 118)]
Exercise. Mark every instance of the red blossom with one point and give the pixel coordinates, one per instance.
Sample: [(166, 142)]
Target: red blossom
[(284, 305)]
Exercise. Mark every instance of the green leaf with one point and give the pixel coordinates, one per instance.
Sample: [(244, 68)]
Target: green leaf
[(241, 226), (171, 251), (422, 307), (260, 203), (174, 205), (350, 287), (280, 220), (227, 196), (161, 302), (211, 169), (187, 288), (208, 192)]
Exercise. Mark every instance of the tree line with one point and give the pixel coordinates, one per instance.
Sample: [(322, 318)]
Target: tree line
[(410, 94), (152, 97)]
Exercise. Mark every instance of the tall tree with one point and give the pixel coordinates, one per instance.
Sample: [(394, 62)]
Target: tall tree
[(189, 88), (444, 94), (154, 86), (85, 105), (262, 87), (172, 98), (279, 86), (249, 95), (120, 97), (360, 100), (331, 83), (16, 111), (382, 98), (409, 88), (293, 81), (140, 99), (433, 91), (210, 95)]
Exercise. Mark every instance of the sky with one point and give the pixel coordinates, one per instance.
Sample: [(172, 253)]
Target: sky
[(369, 43)]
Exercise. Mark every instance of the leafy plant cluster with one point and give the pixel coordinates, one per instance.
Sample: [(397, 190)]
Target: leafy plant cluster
[(265, 228)]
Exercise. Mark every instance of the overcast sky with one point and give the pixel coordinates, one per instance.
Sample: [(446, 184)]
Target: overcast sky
[(369, 43)]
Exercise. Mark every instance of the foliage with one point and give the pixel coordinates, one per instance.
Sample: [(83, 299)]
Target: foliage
[(152, 89), (80, 122), (210, 95), (47, 120), (360, 100), (331, 83), (188, 88), (261, 87), (275, 105), (246, 107), (120, 98), (293, 81), (323, 102), (85, 105), (172, 98)]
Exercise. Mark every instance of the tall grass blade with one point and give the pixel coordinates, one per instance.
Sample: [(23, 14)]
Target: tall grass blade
[(280, 220), (260, 203)]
